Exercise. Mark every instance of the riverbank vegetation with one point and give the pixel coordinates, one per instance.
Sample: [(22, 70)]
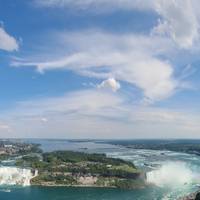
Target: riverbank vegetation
[(81, 169), (185, 146)]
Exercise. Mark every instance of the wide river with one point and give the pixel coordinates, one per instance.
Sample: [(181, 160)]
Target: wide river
[(172, 175)]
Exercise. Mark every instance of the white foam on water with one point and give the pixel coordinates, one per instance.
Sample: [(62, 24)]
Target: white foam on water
[(171, 174), (15, 176), (177, 173)]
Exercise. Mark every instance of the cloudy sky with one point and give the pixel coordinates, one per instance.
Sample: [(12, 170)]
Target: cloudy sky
[(100, 69)]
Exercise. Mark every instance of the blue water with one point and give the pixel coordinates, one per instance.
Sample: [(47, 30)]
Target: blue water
[(61, 193), (183, 166), (48, 145)]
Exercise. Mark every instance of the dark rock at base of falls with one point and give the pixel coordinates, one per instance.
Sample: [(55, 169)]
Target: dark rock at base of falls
[(197, 196), (192, 196)]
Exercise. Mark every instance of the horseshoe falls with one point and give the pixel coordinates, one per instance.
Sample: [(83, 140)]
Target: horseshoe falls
[(170, 175)]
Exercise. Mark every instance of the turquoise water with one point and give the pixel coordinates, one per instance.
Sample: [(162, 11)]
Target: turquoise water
[(46, 193), (173, 175)]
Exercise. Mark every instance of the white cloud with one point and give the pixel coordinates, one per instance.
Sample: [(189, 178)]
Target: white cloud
[(137, 59), (130, 58), (143, 61), (82, 102), (7, 42), (96, 5), (178, 18), (5, 128), (44, 119), (97, 114), (110, 83)]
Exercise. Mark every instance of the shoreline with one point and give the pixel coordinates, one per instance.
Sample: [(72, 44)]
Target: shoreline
[(86, 186), (71, 186)]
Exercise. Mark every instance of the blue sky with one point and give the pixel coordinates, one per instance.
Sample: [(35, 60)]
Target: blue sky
[(99, 69)]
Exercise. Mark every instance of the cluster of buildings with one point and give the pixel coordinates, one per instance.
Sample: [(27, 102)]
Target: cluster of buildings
[(11, 148)]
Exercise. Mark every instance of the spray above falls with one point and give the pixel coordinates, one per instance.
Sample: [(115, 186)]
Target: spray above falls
[(171, 174)]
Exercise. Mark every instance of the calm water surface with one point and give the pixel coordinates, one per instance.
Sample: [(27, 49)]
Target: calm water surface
[(46, 193), (177, 174)]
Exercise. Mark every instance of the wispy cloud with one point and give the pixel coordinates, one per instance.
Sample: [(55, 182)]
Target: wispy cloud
[(96, 5), (7, 42), (141, 60), (178, 19), (97, 114), (145, 62), (130, 58), (5, 128)]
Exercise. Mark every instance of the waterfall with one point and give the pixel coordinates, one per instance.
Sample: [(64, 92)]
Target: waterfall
[(16, 176), (171, 174)]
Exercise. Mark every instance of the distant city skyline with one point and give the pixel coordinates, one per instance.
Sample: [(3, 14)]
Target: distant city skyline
[(99, 69)]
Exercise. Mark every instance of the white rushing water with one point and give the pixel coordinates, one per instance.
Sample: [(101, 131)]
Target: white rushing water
[(15, 176), (171, 174)]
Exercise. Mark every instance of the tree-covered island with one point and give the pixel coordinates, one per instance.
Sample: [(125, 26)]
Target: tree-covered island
[(68, 168)]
